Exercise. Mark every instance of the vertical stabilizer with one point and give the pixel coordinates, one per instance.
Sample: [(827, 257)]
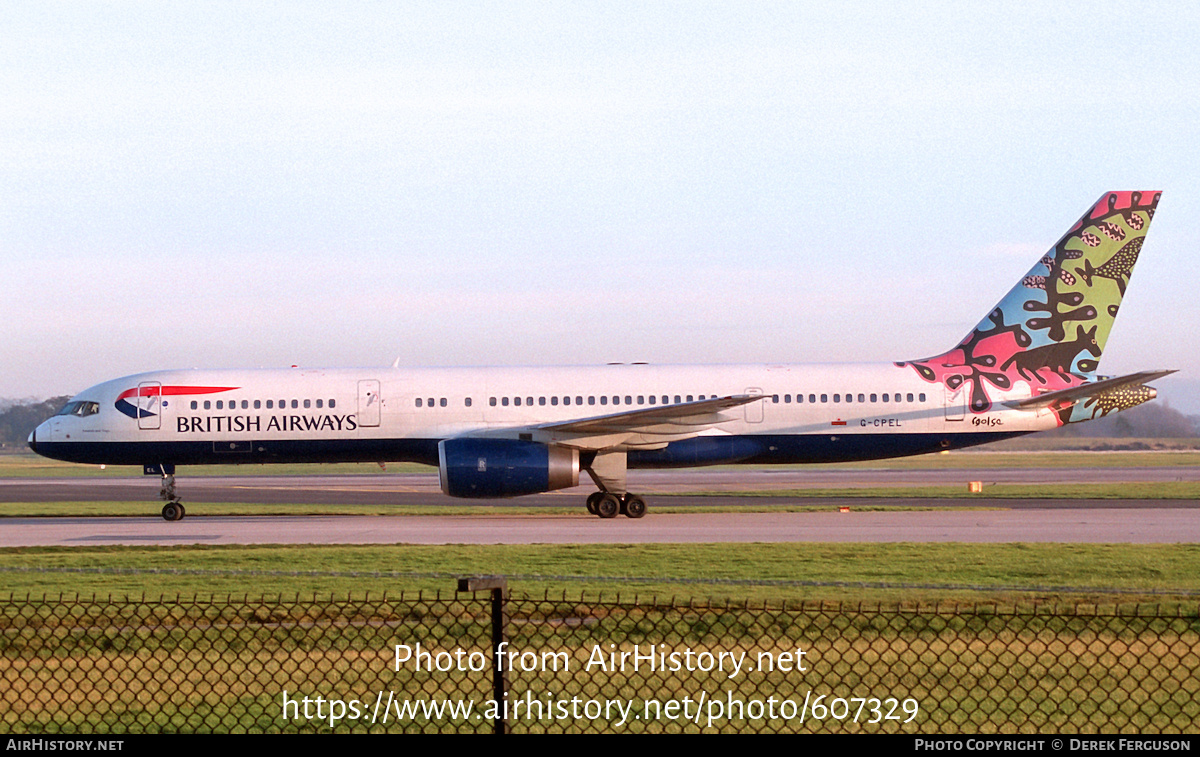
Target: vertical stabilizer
[(1050, 329)]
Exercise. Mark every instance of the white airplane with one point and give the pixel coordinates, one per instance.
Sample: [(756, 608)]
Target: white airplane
[(1029, 365)]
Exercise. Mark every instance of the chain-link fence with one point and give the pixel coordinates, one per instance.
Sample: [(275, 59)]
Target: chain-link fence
[(427, 663)]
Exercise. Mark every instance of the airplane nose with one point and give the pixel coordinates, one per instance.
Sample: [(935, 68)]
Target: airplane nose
[(33, 440)]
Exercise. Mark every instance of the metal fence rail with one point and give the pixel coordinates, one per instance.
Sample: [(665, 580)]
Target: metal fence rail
[(426, 663)]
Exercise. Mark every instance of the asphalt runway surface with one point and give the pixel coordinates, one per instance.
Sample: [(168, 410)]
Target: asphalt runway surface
[(990, 520)]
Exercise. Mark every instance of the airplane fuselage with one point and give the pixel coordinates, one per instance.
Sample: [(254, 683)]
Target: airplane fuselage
[(1029, 365), (807, 414)]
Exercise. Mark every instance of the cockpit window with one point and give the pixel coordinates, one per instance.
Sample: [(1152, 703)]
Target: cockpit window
[(80, 409)]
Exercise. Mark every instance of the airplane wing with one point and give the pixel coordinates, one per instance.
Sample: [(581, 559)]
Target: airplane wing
[(1091, 389), (649, 428)]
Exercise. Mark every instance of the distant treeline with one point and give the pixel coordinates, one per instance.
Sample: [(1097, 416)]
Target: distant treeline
[(1154, 420), (19, 420)]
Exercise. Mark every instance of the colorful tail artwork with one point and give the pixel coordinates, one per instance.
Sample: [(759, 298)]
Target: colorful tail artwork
[(1050, 330)]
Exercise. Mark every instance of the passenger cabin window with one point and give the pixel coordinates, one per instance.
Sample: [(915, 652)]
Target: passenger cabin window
[(492, 401), (466, 402), (195, 405), (307, 404), (418, 401), (333, 403)]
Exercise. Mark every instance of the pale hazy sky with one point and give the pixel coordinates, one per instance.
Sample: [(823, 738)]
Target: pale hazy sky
[(267, 184)]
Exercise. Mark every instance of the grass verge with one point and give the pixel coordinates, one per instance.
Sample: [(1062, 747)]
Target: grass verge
[(1142, 571)]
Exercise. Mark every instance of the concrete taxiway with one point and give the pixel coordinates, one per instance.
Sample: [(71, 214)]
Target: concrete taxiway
[(1000, 520), (423, 489)]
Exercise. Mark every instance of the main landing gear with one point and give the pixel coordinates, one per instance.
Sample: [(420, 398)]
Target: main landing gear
[(607, 469), (174, 509), (607, 505)]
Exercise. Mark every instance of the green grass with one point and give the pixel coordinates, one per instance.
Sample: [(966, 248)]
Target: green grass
[(1138, 569), (1100, 662), (214, 666)]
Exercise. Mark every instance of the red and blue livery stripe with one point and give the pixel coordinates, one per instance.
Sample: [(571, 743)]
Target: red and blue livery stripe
[(161, 391)]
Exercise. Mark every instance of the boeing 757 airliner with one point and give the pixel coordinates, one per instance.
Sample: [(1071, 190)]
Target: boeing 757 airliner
[(1029, 365)]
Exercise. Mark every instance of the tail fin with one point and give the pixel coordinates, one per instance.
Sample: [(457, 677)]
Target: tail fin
[(1050, 329)]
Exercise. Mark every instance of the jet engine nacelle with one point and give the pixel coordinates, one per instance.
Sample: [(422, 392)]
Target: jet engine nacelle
[(486, 468)]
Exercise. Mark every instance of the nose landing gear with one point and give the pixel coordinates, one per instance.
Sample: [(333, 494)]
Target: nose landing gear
[(174, 509)]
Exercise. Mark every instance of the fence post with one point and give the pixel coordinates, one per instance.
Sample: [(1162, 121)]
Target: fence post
[(497, 585)]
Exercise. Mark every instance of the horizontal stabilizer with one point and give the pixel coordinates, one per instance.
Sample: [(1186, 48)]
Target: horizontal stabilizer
[(1073, 394)]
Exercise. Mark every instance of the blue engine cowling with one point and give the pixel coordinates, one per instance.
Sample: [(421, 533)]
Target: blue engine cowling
[(490, 468)]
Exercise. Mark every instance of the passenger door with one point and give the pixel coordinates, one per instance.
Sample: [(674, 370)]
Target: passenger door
[(149, 405), (956, 398), (369, 402), (754, 410)]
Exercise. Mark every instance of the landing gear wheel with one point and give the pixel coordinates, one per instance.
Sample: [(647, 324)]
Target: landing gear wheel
[(592, 500), (607, 506), (633, 506), (172, 511)]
